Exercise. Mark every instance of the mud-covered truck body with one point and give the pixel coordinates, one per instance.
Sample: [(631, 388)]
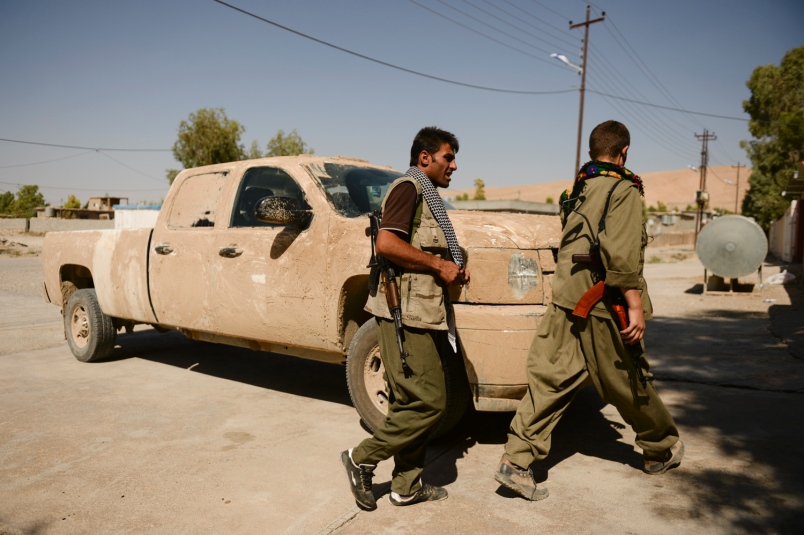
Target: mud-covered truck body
[(297, 286)]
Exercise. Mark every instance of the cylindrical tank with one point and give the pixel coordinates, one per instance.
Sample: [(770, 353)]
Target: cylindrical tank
[(732, 246), (50, 211)]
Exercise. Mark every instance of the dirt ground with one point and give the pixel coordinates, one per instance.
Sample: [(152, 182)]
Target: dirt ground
[(17, 244), (175, 436)]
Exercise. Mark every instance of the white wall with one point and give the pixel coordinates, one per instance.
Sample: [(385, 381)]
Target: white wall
[(783, 234), (135, 217)]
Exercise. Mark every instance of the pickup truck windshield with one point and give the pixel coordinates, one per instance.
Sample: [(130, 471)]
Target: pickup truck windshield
[(353, 190)]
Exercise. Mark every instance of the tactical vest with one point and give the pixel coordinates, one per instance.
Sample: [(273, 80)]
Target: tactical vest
[(422, 293)]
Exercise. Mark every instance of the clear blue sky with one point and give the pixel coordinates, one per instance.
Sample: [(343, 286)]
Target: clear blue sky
[(119, 74)]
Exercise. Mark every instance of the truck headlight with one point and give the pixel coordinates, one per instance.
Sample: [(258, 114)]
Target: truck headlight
[(523, 274), (489, 284)]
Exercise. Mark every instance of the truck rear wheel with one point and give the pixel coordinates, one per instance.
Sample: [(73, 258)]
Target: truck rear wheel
[(90, 333), (369, 390)]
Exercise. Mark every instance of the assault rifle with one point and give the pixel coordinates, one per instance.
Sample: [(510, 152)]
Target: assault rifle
[(596, 293), (384, 271)]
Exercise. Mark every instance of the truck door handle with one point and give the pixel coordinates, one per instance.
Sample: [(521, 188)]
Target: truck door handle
[(230, 252), (163, 248)]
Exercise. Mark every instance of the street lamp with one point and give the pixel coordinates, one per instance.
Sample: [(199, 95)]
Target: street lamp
[(582, 71), (563, 59)]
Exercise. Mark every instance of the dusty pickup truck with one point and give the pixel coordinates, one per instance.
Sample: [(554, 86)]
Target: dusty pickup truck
[(272, 255)]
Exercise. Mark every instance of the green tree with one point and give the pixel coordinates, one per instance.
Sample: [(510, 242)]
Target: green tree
[(549, 200), (480, 190), (462, 197), (6, 202), (28, 199), (72, 202), (660, 206), (287, 145), (776, 108), (207, 137), (254, 152)]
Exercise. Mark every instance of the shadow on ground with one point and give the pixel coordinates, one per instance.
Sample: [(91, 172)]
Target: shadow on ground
[(282, 373), (582, 430), (739, 382)]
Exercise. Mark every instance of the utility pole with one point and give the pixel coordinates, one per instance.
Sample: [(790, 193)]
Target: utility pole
[(701, 196), (585, 24), (737, 194)]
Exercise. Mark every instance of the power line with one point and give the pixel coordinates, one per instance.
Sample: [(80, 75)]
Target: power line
[(45, 161), (656, 126), (649, 104), (652, 78), (633, 92), (83, 189), (648, 131), (588, 22), (540, 20), (464, 26), (720, 147), (102, 152), (504, 22), (129, 168), (498, 90), (82, 148), (380, 62), (548, 8)]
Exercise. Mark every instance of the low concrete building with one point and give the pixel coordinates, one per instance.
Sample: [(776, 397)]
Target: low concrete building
[(510, 206), (97, 208)]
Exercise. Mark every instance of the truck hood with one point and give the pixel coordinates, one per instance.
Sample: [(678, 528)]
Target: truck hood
[(496, 230)]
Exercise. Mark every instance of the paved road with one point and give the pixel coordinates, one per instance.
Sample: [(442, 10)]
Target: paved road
[(173, 436)]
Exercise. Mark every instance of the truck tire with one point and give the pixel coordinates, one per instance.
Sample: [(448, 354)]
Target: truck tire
[(90, 333), (369, 390)]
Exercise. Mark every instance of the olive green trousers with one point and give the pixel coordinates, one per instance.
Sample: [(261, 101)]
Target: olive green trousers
[(566, 351), (416, 403)]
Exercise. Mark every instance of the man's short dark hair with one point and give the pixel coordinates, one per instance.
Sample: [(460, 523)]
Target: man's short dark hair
[(608, 139), (431, 138)]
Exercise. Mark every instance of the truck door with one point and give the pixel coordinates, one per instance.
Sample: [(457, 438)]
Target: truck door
[(270, 279), (181, 254)]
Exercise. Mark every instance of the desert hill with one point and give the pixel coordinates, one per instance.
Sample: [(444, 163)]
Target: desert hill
[(676, 189)]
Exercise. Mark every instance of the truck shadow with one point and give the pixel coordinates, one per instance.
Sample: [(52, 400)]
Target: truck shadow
[(293, 375)]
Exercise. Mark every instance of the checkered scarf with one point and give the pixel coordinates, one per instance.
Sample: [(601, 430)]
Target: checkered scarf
[(436, 206)]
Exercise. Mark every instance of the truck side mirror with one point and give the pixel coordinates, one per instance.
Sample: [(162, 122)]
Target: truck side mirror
[(282, 211)]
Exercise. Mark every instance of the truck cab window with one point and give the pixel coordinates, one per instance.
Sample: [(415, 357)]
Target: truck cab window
[(261, 182), (195, 204), (353, 190)]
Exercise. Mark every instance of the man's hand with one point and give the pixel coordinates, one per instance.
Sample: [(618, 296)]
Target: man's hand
[(403, 254), (465, 275), (636, 317), (450, 273)]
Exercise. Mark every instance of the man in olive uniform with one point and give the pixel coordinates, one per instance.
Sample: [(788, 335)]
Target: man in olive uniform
[(417, 236), (568, 349)]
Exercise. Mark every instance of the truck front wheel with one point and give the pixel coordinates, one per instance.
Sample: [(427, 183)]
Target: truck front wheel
[(90, 333), (369, 390)]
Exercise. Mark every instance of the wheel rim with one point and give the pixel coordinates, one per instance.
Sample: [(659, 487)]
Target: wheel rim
[(376, 386), (79, 326)]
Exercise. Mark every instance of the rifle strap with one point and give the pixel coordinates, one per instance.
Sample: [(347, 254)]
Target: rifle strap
[(598, 291), (602, 225), (417, 218)]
